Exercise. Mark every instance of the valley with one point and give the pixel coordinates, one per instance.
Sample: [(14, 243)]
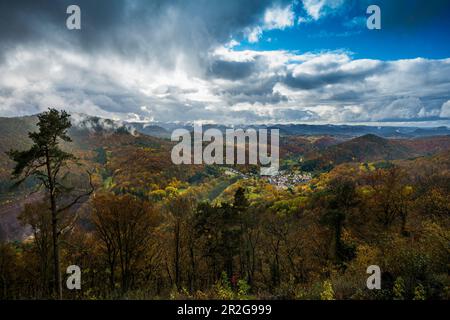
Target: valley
[(233, 223)]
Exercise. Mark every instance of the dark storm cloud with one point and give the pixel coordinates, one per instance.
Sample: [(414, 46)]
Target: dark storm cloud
[(347, 96), (252, 90), (135, 28), (175, 61), (331, 76), (231, 70), (270, 98), (293, 115)]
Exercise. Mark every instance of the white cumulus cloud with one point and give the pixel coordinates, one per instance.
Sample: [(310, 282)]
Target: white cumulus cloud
[(445, 110), (276, 17), (317, 8)]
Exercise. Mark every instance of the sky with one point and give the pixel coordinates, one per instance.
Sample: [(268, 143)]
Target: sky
[(229, 62)]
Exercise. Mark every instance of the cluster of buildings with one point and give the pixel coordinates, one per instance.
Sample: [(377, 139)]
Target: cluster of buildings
[(285, 180), (282, 180)]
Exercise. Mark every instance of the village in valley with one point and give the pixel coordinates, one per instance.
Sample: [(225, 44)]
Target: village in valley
[(284, 179), (288, 179)]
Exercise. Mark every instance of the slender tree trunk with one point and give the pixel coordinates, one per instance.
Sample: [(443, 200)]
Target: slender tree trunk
[(337, 241), (56, 263), (404, 217), (112, 267), (193, 268), (177, 254), (56, 259)]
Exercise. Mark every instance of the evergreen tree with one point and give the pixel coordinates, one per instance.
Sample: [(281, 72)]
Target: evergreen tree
[(44, 161)]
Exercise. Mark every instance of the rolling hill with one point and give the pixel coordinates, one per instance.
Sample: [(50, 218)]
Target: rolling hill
[(135, 158), (372, 148)]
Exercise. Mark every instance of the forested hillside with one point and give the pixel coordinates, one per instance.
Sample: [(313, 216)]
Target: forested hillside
[(155, 230)]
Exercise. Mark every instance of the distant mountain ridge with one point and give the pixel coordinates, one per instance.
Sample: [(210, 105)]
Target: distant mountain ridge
[(164, 130), (334, 143), (370, 147)]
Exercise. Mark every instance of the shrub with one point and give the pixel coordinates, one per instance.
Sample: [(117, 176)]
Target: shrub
[(327, 293)]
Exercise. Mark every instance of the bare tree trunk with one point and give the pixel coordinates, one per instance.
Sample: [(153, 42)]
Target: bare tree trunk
[(55, 236), (177, 253), (56, 264)]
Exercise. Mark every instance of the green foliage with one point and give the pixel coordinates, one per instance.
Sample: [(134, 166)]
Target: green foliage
[(399, 289), (108, 183), (419, 292), (223, 288), (157, 195), (243, 289), (222, 184), (101, 157), (45, 149), (327, 292)]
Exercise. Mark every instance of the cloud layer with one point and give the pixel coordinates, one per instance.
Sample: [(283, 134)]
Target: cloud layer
[(174, 61)]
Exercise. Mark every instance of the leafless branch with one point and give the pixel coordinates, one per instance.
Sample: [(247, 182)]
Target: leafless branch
[(79, 197)]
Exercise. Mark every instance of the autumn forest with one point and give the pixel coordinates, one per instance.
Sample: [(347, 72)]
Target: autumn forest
[(111, 202)]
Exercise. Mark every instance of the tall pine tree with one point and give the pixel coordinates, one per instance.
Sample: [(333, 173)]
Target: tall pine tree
[(44, 161)]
